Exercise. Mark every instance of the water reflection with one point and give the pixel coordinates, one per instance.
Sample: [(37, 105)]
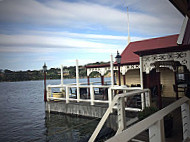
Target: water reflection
[(68, 128), (23, 111)]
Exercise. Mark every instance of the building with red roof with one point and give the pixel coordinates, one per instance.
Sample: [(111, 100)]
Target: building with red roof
[(129, 56), (162, 63), (154, 51)]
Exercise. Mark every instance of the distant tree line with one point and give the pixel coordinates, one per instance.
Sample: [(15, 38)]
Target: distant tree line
[(52, 73)]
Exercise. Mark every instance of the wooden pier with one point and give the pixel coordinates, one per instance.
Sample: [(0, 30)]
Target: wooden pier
[(80, 109)]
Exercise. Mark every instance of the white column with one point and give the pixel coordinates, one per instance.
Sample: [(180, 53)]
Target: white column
[(109, 95), (111, 68), (67, 94), (141, 72), (156, 132), (48, 92), (141, 79), (185, 114), (142, 100), (92, 94), (77, 81), (147, 98), (121, 115), (61, 89)]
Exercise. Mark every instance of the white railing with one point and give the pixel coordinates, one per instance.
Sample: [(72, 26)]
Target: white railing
[(155, 124), (67, 97), (119, 100), (91, 97)]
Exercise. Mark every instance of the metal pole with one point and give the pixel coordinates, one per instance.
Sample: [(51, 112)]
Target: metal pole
[(119, 74)]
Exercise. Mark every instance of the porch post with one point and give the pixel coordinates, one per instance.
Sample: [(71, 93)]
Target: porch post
[(124, 82), (141, 73), (119, 76), (102, 79), (176, 86), (156, 132), (148, 80), (121, 115), (158, 88), (114, 77), (141, 79)]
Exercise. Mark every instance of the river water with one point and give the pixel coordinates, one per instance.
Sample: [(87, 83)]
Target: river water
[(23, 117)]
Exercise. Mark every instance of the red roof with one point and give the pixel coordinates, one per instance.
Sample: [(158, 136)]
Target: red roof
[(128, 56)]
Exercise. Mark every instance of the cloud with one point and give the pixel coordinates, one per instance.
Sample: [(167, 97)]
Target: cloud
[(83, 29), (76, 35), (42, 41), (46, 41), (160, 18)]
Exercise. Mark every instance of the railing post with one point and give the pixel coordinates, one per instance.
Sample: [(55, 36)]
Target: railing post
[(121, 115), (147, 98), (156, 132), (67, 94), (77, 81), (185, 114), (92, 94), (142, 101), (48, 92), (109, 96)]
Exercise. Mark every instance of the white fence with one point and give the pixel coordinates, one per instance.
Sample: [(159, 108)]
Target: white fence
[(155, 124), (77, 98), (119, 100), (115, 101), (91, 94)]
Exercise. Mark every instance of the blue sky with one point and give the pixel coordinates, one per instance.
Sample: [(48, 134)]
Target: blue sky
[(60, 31)]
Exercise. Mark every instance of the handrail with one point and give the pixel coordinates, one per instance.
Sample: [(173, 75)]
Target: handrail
[(109, 110), (139, 127), (67, 88), (92, 95)]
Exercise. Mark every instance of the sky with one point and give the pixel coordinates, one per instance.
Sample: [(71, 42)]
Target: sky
[(60, 31)]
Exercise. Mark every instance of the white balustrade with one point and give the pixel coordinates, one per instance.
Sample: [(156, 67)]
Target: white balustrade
[(92, 100), (113, 99), (119, 100), (155, 124)]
